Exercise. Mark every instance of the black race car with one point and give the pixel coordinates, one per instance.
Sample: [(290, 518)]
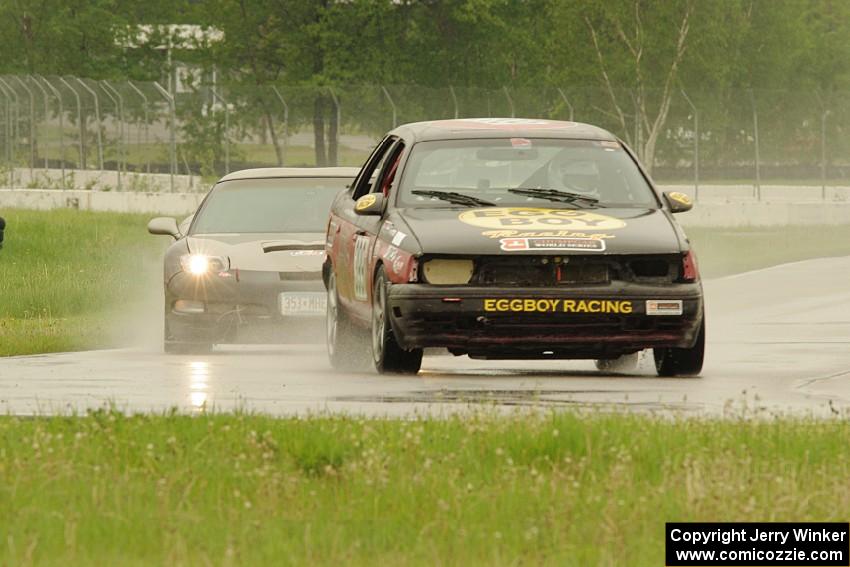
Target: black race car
[(510, 239), (246, 266)]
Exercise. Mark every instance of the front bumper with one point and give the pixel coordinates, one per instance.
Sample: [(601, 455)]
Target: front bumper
[(243, 308), (575, 322)]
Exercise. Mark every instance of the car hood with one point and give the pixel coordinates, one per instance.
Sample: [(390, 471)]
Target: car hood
[(273, 252), (541, 230)]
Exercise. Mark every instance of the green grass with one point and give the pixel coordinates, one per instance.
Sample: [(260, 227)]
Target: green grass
[(560, 489), (725, 251), (139, 154), (156, 153), (298, 155), (66, 277)]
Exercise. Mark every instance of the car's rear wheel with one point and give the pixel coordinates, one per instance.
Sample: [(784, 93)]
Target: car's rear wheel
[(346, 348), (671, 361), (387, 355)]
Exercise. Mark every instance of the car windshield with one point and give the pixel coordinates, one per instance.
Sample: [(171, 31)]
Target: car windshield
[(269, 205), (521, 171)]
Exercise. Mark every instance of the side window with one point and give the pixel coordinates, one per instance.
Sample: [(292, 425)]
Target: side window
[(389, 170), (367, 175)]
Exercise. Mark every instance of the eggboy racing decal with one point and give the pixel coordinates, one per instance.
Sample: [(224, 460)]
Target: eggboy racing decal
[(530, 218), (520, 244), (558, 306)]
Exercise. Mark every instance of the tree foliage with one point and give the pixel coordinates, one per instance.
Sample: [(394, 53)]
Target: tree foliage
[(639, 53)]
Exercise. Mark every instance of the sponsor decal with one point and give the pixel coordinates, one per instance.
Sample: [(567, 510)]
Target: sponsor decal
[(507, 123), (521, 143), (504, 124), (333, 227), (544, 234), (398, 238), (308, 253), (663, 306), (395, 259), (366, 201), (680, 197), (557, 306), (532, 218), (518, 244)]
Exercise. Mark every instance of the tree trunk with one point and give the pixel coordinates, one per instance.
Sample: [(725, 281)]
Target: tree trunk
[(278, 152), (319, 130), (333, 130), (648, 158)]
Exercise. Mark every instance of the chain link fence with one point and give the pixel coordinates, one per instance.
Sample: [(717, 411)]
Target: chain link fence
[(56, 132)]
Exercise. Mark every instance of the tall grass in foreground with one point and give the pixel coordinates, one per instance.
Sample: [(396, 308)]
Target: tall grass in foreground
[(557, 489), (66, 275)]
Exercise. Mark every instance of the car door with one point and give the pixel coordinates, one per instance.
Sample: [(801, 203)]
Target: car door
[(348, 249), (366, 234)]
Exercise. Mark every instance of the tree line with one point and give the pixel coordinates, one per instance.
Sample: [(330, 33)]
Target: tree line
[(637, 53)]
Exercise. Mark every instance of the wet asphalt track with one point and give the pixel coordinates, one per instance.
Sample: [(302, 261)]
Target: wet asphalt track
[(778, 340)]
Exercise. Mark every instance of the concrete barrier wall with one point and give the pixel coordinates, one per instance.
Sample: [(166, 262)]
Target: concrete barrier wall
[(711, 211), (172, 204), (765, 214), (768, 193)]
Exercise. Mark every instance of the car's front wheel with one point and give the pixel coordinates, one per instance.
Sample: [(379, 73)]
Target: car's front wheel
[(346, 350), (171, 345), (671, 361), (387, 355)]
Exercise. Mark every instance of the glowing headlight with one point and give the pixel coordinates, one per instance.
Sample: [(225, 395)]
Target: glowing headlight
[(441, 271), (200, 264)]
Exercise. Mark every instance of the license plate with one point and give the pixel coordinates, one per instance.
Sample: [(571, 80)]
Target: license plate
[(303, 303)]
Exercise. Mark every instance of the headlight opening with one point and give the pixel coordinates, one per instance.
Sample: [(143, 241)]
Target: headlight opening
[(201, 264), (446, 271)]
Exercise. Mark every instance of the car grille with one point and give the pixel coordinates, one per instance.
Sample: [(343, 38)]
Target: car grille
[(543, 271)]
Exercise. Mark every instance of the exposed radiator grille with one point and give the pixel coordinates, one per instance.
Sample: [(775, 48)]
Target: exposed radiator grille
[(541, 271)]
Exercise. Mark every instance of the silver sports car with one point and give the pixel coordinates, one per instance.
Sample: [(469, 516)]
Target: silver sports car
[(247, 266)]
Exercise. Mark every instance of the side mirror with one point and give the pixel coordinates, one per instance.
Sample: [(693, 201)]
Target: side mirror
[(371, 204), (164, 225), (679, 202)]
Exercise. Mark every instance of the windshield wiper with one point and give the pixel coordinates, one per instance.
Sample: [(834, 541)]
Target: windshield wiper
[(557, 195), (456, 198)]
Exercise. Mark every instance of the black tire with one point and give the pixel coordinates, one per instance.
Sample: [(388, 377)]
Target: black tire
[(387, 355), (681, 361), (347, 349), (172, 346)]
